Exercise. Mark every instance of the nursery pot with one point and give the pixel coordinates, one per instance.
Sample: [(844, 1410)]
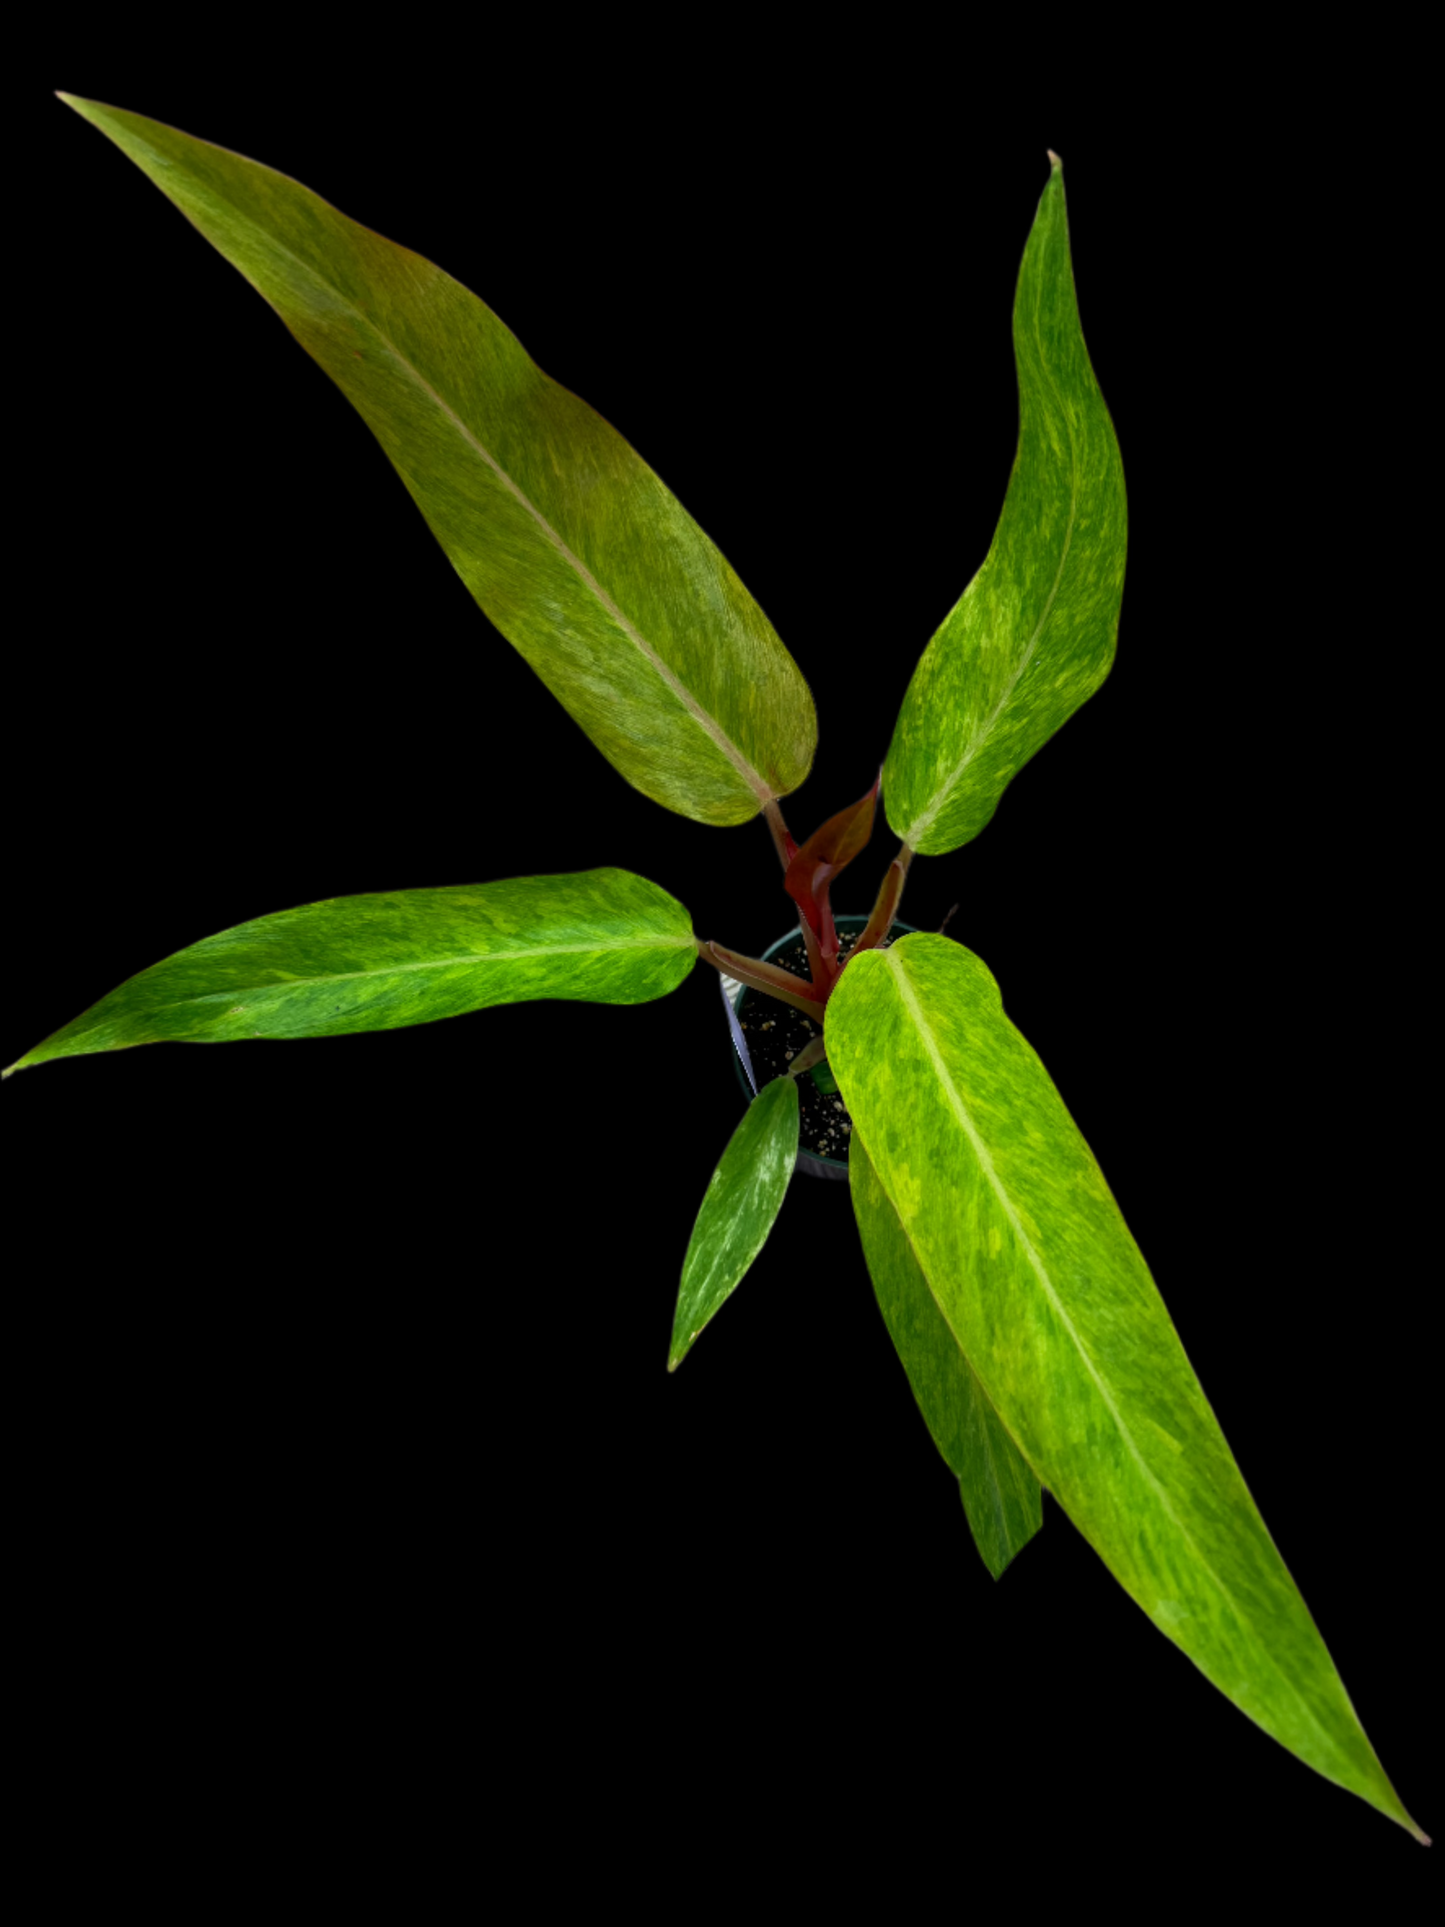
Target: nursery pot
[(769, 1030)]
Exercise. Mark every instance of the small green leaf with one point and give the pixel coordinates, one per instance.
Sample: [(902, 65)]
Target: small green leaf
[(399, 957), (1001, 1497), (574, 548), (742, 1199), (1033, 634), (1032, 1266)]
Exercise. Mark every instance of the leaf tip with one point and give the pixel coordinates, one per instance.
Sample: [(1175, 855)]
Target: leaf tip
[(1054, 162)]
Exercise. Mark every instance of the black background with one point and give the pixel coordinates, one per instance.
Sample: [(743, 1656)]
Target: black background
[(349, 1453)]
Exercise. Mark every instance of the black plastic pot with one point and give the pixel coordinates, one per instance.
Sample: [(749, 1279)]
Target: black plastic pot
[(747, 1005)]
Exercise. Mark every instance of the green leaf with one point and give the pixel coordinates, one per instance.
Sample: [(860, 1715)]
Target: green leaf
[(1032, 636), (399, 957), (1032, 1266), (575, 550), (743, 1197), (1001, 1496)]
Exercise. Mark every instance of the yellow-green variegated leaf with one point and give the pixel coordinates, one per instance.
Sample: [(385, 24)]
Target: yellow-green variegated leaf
[(588, 565), (1032, 636), (399, 957), (1001, 1497), (1031, 1265), (739, 1208)]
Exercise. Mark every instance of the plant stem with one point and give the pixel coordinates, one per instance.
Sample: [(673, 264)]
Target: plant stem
[(782, 841), (771, 979), (885, 909), (825, 975), (808, 1056)]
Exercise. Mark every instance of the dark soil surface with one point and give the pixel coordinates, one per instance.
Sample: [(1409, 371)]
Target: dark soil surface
[(775, 1033)]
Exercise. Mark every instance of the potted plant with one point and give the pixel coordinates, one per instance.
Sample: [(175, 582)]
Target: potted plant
[(1037, 1346)]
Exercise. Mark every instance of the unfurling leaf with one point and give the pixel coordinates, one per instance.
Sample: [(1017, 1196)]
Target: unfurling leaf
[(827, 851), (1001, 1497), (588, 565), (1031, 1265), (1033, 634), (399, 957), (744, 1196)]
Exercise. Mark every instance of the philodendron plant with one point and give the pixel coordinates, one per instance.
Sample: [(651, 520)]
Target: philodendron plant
[(1035, 1341)]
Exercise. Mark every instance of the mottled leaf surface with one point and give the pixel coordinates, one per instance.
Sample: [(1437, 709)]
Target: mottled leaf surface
[(399, 957), (1033, 1268), (1033, 634), (742, 1200), (1001, 1496), (568, 540)]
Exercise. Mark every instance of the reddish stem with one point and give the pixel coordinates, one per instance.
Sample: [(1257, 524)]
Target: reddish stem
[(828, 936), (771, 979), (824, 976), (783, 843), (885, 909)]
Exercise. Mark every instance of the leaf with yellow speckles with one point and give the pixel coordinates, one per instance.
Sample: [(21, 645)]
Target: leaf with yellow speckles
[(739, 1207), (579, 554), (399, 957), (1033, 634), (1031, 1265), (1001, 1497)]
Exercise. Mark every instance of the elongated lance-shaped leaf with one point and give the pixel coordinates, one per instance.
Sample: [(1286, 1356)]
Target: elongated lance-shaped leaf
[(399, 957), (1032, 636), (576, 551), (742, 1199), (1032, 1266), (1001, 1497)]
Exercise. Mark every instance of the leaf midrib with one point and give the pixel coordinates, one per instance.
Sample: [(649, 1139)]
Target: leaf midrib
[(706, 722), (897, 967), (429, 963)]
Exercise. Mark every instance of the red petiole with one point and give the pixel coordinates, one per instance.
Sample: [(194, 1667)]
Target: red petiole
[(808, 873)]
